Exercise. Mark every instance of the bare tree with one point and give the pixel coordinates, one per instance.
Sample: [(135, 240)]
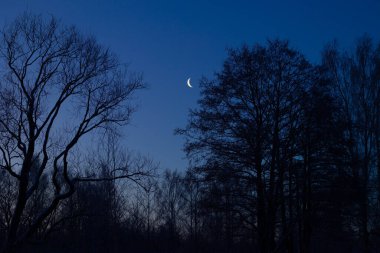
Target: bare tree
[(171, 206), (356, 78), (56, 87), (244, 137)]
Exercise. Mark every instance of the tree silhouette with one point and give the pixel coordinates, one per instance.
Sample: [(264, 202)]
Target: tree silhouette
[(57, 86), (244, 132), (284, 155), (355, 76)]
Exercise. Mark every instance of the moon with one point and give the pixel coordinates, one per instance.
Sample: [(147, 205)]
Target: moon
[(188, 83)]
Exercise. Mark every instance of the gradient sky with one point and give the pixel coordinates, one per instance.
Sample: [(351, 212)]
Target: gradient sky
[(170, 41)]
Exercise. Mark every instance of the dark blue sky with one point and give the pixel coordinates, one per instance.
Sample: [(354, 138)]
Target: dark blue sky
[(170, 41)]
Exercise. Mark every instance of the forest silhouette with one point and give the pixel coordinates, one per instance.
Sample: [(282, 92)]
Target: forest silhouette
[(284, 155)]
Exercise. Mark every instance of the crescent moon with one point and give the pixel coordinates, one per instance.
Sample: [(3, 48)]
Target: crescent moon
[(188, 83)]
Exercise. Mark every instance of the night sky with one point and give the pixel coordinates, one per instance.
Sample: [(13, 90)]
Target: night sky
[(170, 41)]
